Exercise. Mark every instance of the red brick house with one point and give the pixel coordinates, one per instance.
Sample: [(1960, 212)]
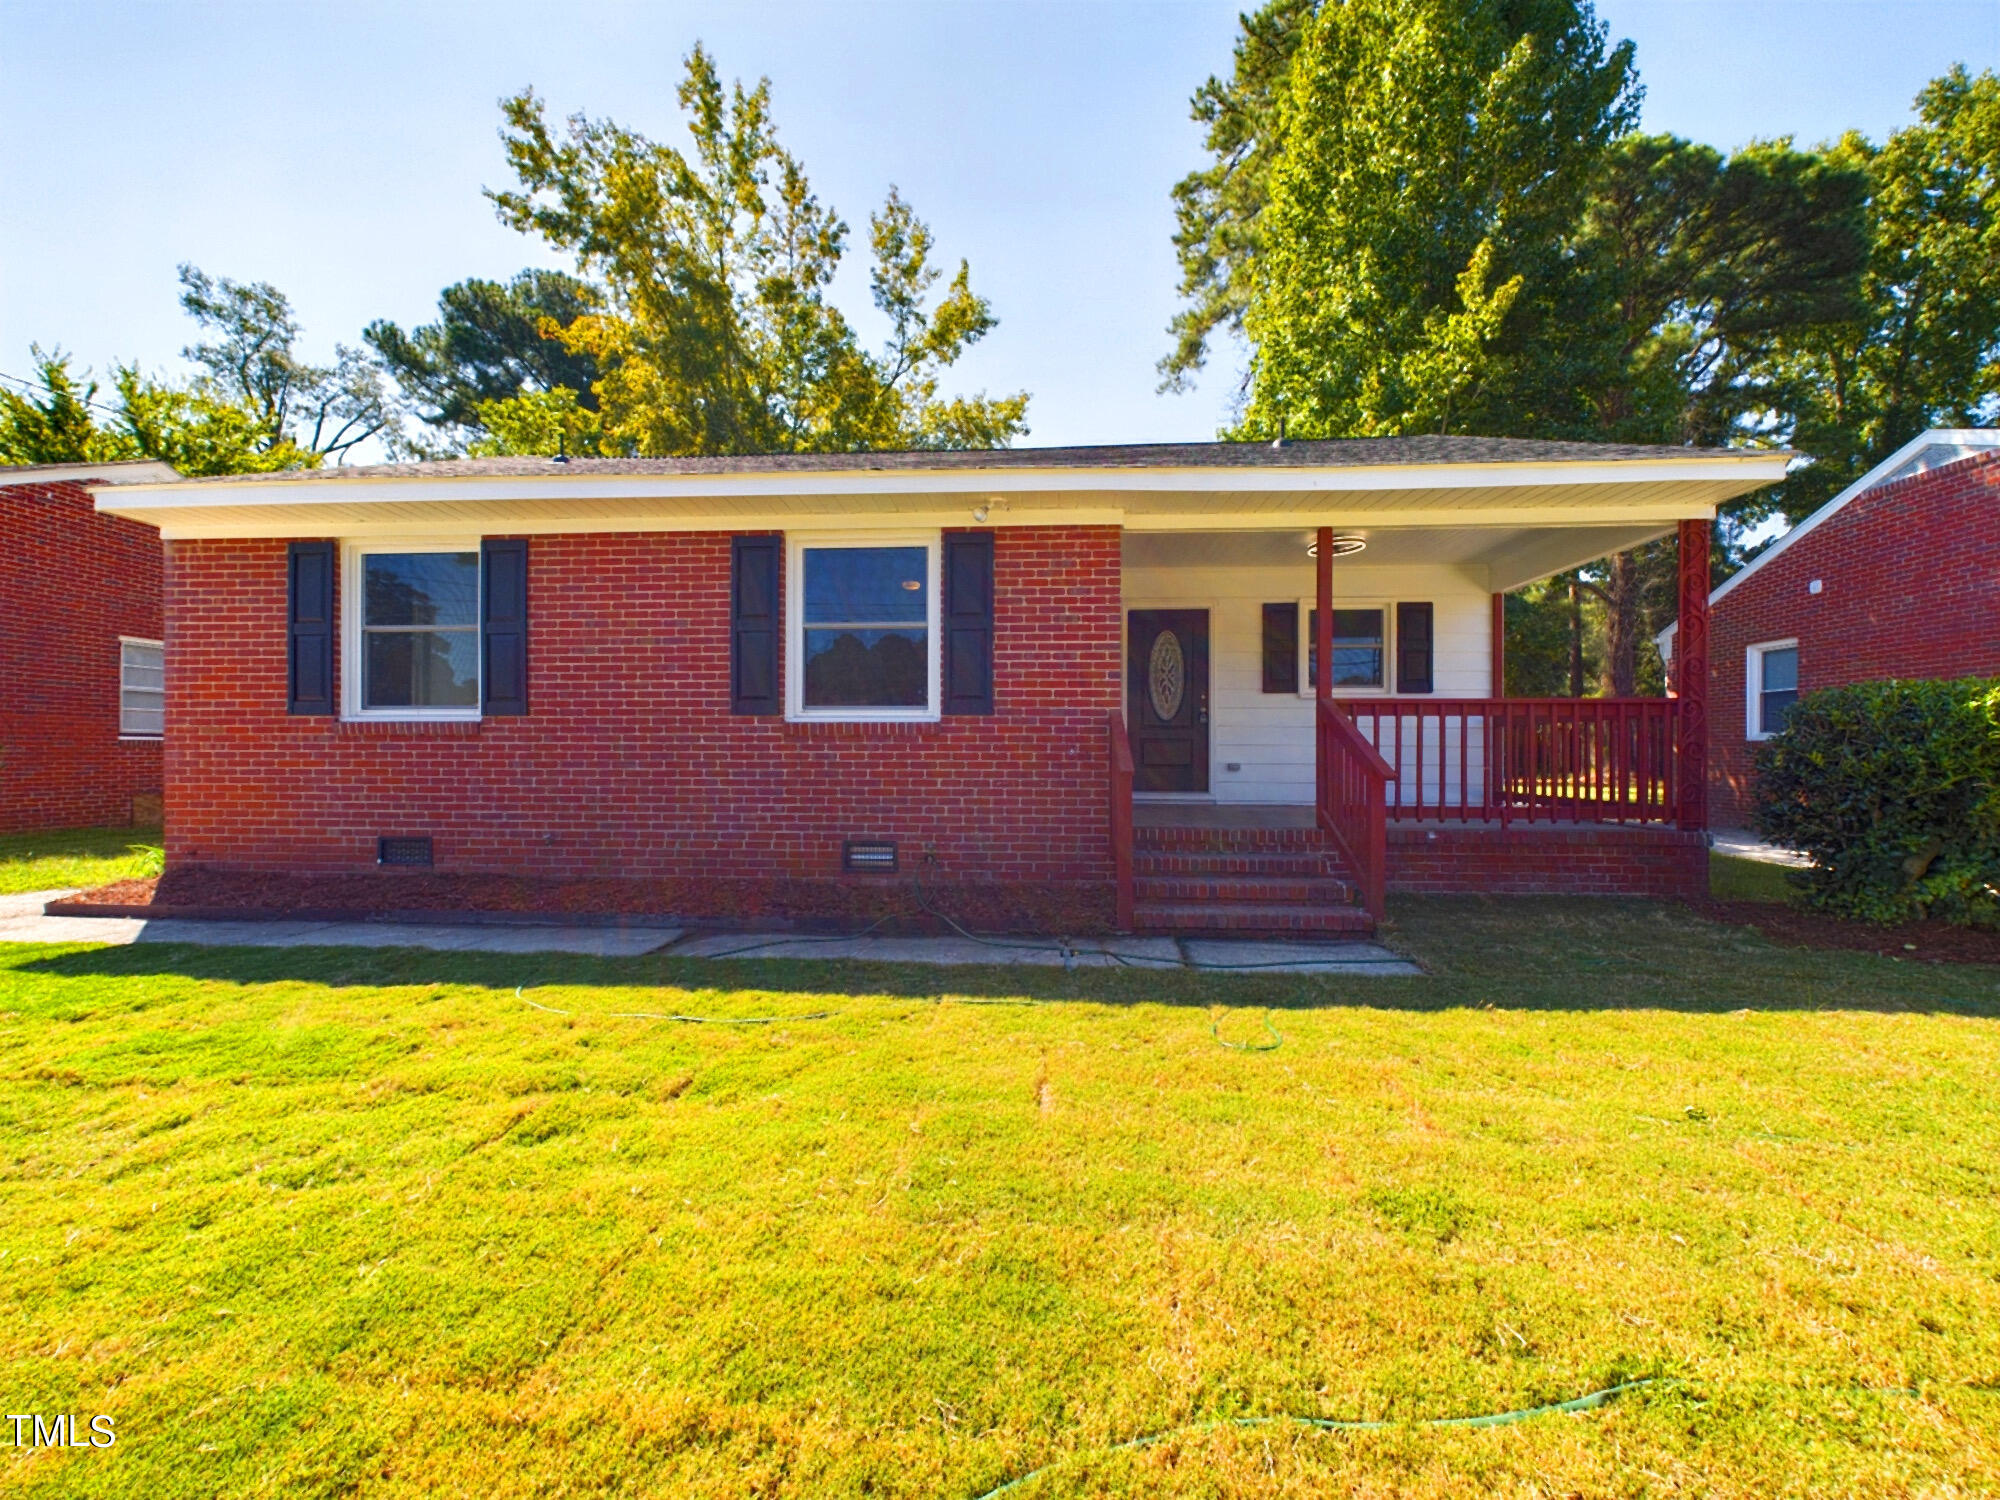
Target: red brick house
[(80, 633), (1070, 687), (1896, 576)]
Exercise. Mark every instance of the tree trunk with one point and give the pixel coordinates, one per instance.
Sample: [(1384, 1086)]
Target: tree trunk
[(1575, 639), (1622, 624)]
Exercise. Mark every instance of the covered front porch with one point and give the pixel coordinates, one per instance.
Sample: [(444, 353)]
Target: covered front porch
[(1410, 768)]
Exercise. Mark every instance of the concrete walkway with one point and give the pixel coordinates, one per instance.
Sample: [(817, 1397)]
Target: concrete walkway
[(21, 921), (1288, 957)]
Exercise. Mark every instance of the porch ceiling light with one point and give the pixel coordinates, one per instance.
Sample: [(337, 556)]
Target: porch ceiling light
[(1343, 546)]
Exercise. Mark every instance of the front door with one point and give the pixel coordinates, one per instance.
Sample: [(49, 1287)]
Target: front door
[(1167, 699)]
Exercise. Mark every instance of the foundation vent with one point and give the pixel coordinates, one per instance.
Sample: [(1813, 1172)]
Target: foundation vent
[(868, 856), (403, 851)]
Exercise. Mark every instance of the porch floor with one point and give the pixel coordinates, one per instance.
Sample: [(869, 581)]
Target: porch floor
[(1220, 815), (1286, 815)]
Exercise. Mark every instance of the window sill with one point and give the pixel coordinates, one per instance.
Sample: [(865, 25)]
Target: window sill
[(405, 728), (859, 729), (141, 739)]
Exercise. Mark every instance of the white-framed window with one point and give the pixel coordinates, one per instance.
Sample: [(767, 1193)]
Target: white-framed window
[(861, 627), (1362, 663), (410, 630), (1771, 683), (142, 689)]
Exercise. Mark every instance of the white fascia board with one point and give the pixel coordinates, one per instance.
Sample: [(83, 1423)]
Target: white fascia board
[(355, 524), (1747, 471), (1981, 437)]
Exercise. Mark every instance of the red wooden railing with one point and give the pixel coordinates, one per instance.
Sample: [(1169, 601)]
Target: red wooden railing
[(1352, 801), (1585, 760), (1121, 817)]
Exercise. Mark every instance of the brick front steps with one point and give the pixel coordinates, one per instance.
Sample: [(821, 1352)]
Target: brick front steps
[(1242, 880)]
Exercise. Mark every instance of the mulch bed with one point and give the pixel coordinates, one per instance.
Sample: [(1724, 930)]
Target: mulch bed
[(1790, 927), (841, 906)]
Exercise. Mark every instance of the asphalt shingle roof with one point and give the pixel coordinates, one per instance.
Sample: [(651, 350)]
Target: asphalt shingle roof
[(1339, 453)]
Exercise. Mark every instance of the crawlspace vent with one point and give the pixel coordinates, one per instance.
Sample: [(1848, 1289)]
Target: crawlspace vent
[(868, 856), (403, 851)]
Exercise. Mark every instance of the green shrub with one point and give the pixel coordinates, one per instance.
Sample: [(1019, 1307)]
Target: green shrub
[(1893, 788)]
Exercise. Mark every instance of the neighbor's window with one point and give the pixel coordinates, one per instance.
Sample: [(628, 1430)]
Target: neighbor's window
[(864, 630), (419, 644), (1360, 647), (142, 689), (1774, 687)]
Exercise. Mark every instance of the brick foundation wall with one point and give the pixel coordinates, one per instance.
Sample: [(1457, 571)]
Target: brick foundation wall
[(629, 763), (71, 583), (1529, 860), (1910, 587)]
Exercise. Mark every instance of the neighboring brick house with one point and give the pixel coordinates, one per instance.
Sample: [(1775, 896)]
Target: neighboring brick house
[(789, 679), (1898, 576), (81, 697)]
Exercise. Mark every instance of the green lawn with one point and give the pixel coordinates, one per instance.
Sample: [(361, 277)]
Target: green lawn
[(71, 857), (362, 1223), (1734, 878)]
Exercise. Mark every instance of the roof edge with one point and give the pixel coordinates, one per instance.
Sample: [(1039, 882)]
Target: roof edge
[(121, 471), (1979, 437)]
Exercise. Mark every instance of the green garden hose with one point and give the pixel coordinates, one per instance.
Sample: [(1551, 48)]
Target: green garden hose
[(1329, 1424), (1271, 1046)]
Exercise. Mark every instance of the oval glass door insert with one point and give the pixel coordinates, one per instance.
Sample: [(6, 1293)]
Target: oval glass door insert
[(1166, 675)]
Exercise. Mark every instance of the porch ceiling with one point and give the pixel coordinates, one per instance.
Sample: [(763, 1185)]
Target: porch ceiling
[(1508, 555)]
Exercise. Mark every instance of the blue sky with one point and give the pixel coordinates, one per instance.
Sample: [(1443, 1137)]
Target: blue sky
[(338, 150)]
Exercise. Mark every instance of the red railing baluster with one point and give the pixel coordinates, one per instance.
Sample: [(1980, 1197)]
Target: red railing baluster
[(1352, 799), (1609, 760)]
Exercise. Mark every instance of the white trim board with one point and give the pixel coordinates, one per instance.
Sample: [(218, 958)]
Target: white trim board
[(1753, 686), (797, 543), (353, 646)]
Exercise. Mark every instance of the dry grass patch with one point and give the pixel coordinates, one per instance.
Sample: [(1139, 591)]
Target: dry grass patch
[(74, 858)]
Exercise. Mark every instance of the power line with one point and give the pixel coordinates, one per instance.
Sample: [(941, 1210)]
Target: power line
[(30, 385)]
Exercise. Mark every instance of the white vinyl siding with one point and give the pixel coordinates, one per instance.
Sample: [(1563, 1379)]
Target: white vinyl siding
[(142, 689), (1270, 735)]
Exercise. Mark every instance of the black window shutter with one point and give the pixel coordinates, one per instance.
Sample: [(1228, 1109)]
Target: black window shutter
[(753, 624), (968, 622), (309, 568), (1281, 648), (1414, 647), (503, 624)]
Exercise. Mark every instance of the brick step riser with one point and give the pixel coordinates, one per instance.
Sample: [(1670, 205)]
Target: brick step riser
[(1275, 866), (1256, 891), (1232, 840), (1350, 920)]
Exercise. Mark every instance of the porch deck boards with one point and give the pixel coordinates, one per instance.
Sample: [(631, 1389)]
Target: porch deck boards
[(1273, 815)]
